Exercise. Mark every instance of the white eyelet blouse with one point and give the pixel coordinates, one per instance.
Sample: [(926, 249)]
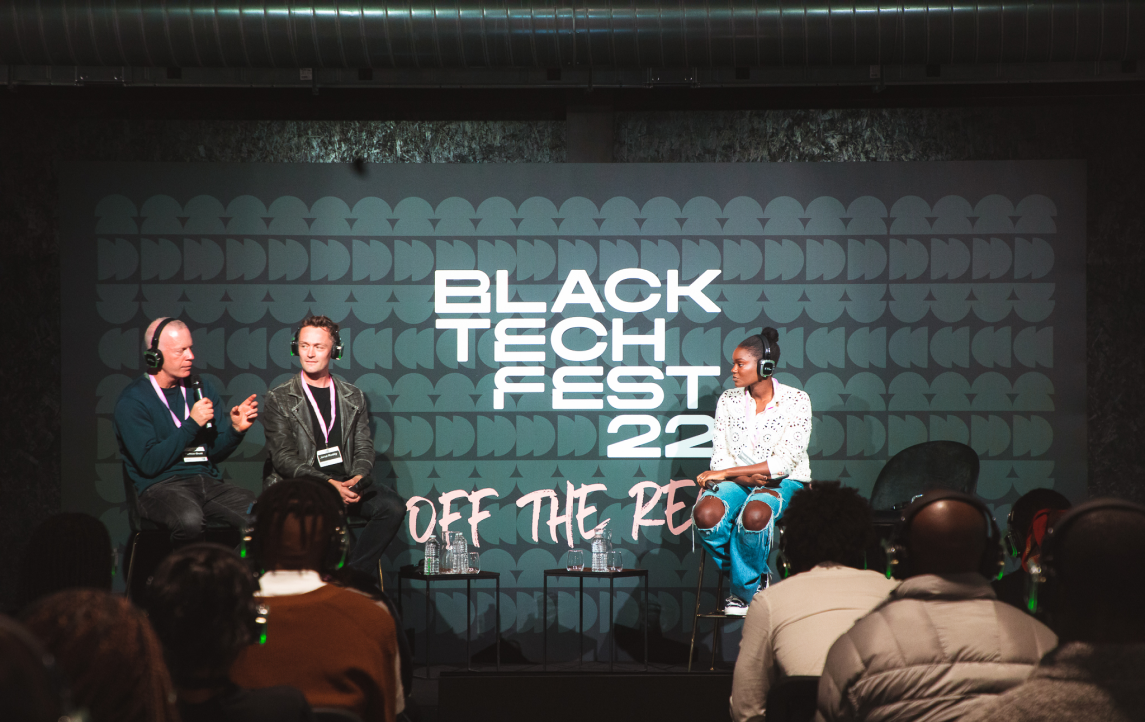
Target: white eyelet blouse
[(778, 435)]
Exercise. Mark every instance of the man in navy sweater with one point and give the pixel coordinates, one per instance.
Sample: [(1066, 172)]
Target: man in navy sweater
[(171, 441)]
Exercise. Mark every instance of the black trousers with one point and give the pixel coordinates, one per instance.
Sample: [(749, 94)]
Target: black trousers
[(184, 504), (383, 509)]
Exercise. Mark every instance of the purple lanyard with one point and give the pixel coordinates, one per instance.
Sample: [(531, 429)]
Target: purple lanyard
[(317, 412), (163, 398)]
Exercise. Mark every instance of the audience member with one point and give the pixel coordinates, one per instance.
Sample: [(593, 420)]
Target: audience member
[(1093, 563), (791, 625), (941, 642), (66, 551), (202, 606), (334, 644), (108, 652), (31, 688), (1030, 518), (367, 584)]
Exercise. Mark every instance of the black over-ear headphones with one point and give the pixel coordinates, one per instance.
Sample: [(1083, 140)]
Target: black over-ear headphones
[(898, 558), (337, 548), (1044, 576), (781, 559), (766, 366), (1011, 538), (337, 343), (57, 681), (153, 357)]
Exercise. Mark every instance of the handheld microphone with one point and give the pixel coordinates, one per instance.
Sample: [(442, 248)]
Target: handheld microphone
[(197, 390)]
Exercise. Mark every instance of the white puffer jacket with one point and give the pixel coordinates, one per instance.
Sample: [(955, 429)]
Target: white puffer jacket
[(933, 651)]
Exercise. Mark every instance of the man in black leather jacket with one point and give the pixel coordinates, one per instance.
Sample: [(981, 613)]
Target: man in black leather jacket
[(318, 427)]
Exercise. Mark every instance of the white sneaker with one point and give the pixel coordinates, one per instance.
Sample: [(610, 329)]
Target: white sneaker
[(734, 607)]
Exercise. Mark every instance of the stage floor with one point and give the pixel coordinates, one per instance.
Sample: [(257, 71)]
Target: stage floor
[(566, 692)]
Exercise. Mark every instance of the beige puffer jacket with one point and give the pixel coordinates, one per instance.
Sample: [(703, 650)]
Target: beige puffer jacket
[(931, 652)]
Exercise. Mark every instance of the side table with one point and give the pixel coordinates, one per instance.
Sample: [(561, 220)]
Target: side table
[(582, 575), (411, 572)]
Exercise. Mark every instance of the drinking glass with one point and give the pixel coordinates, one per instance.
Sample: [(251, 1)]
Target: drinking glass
[(616, 561), (575, 561), (474, 562)]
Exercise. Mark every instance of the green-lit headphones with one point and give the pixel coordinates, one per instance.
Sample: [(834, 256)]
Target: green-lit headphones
[(781, 559), (1043, 579), (337, 336), (992, 563), (337, 549)]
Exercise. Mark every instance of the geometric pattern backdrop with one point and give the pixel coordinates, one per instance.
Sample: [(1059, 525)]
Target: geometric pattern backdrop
[(542, 346)]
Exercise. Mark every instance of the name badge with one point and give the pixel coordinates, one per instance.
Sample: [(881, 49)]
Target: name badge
[(329, 455), (195, 455)]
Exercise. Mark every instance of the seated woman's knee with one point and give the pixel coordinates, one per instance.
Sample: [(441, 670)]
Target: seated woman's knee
[(756, 515), (709, 512)]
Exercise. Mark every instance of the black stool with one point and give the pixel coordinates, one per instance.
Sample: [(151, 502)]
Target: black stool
[(150, 543), (717, 616)]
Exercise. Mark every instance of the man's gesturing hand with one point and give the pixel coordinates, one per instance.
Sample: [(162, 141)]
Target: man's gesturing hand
[(203, 411), (243, 415), (343, 487)]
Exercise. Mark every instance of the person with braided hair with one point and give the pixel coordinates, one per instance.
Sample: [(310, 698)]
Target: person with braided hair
[(109, 653), (334, 644)]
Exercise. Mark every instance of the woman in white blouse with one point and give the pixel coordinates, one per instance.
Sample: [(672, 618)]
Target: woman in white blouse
[(759, 459)]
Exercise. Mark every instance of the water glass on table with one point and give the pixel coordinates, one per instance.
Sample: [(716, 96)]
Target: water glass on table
[(474, 562), (575, 560), (616, 561)]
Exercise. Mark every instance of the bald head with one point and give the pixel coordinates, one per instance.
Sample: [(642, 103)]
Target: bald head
[(947, 537), (170, 331)]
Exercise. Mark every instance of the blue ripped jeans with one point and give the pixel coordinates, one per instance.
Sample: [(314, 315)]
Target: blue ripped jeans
[(742, 553)]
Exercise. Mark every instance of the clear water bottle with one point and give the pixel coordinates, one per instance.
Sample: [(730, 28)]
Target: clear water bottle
[(432, 556), (601, 546), (460, 554)]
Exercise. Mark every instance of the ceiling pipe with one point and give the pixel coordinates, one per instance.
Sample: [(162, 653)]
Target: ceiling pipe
[(606, 34)]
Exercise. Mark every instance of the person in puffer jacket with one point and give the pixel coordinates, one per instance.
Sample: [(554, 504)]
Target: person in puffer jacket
[(942, 643)]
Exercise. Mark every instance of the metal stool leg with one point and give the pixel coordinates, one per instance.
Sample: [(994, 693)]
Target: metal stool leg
[(498, 622), (716, 623), (545, 625), (646, 623), (696, 613)]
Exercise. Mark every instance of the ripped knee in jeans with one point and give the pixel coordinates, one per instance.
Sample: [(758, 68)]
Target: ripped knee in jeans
[(756, 515), (708, 512)]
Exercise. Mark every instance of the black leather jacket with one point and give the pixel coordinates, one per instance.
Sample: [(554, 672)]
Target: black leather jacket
[(290, 442)]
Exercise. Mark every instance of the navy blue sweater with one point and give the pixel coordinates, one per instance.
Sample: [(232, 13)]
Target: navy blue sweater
[(152, 446)]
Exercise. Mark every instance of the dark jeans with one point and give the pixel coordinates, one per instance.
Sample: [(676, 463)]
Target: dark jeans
[(184, 504), (384, 511)]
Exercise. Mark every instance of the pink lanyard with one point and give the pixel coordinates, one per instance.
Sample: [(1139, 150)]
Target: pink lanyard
[(163, 398), (317, 412)]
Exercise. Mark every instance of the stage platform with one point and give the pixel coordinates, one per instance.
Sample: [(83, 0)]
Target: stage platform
[(569, 692)]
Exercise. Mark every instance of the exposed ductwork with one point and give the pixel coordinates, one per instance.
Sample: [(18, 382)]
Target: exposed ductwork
[(473, 34)]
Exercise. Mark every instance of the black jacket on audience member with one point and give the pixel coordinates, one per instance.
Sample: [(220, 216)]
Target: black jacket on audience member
[(272, 704)]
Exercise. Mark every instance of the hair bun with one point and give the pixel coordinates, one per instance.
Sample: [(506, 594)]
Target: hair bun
[(770, 334)]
